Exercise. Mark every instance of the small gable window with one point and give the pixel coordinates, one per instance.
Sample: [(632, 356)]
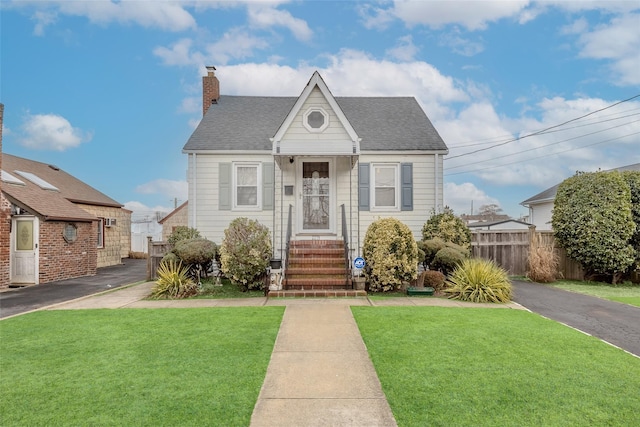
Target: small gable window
[(316, 119)]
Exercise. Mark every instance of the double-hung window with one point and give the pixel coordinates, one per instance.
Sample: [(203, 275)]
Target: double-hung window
[(247, 181), (385, 188), (100, 232)]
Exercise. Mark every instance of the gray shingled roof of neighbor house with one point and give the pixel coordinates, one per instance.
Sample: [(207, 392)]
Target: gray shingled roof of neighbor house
[(52, 204), (247, 122), (550, 193)]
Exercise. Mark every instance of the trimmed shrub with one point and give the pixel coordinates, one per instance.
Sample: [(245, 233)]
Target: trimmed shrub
[(391, 255), (448, 227), (447, 259), (431, 248), (433, 279), (592, 219), (198, 253), (182, 232), (174, 281), (479, 280), (170, 256), (245, 253)]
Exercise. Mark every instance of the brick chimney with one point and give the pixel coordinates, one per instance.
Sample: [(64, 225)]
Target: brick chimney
[(210, 89)]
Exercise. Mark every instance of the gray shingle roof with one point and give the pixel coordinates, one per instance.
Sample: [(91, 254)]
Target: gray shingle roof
[(247, 122)]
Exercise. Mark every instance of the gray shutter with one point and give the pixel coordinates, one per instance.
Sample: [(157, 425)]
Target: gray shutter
[(224, 186), (363, 186), (406, 177), (268, 186)]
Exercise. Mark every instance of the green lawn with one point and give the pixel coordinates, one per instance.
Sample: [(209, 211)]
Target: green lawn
[(625, 293), (482, 367), (172, 367)]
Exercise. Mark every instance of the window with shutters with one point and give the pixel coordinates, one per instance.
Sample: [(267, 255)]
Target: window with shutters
[(247, 181), (385, 191)]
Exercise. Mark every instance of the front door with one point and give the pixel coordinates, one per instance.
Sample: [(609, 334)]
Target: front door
[(24, 249), (315, 213)]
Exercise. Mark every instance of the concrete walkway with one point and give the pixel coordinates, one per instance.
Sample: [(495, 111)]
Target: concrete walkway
[(320, 373)]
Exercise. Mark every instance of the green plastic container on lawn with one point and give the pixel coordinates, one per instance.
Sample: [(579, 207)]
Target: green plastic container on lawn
[(420, 291)]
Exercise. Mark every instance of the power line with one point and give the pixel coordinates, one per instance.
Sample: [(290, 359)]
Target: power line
[(506, 137), (543, 130), (543, 156), (548, 145)]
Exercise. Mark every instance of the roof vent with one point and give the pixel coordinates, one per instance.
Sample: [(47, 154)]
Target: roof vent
[(54, 167)]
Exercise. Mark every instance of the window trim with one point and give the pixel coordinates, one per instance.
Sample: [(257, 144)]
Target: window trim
[(396, 187), (100, 243), (234, 186), (305, 119)]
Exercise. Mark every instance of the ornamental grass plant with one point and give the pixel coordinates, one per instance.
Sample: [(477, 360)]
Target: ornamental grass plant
[(174, 281), (479, 280), (542, 261)]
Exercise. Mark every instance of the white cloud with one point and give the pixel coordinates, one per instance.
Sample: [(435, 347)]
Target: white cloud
[(461, 197), (603, 140), (167, 187), (267, 16), (404, 50), (461, 45), (51, 132), (170, 16), (234, 44), (473, 15), (190, 105), (619, 41), (141, 212)]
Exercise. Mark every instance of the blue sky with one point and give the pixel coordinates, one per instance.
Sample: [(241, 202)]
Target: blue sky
[(111, 91)]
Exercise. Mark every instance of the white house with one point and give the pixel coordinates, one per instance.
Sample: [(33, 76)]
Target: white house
[(541, 205), (312, 168), (499, 225)]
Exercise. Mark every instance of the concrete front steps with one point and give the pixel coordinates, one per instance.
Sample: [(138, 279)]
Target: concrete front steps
[(317, 268)]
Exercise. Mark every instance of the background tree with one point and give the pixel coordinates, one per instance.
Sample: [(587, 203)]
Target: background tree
[(448, 227), (592, 220), (490, 211)]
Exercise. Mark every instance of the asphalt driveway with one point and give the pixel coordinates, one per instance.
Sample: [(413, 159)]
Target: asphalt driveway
[(616, 323), (21, 300)]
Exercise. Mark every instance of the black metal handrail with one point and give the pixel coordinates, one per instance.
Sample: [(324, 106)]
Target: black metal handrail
[(345, 239), (285, 255)]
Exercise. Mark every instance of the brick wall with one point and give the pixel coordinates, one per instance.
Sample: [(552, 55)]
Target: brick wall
[(5, 226), (60, 260), (5, 221), (115, 237)]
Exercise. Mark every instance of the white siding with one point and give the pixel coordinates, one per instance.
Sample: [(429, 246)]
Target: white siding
[(299, 140), (424, 200), (210, 221), (540, 215)]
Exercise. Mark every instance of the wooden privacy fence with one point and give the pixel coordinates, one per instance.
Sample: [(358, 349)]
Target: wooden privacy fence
[(510, 250), (157, 251)]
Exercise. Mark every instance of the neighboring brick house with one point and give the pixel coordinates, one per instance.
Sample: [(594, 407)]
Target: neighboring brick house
[(179, 216), (58, 227), (5, 212)]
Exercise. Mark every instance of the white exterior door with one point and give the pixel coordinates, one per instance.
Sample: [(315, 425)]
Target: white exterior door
[(315, 199), (24, 250)]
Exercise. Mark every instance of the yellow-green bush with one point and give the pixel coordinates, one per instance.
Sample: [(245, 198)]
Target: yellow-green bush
[(479, 280), (174, 281), (391, 255), (245, 253)]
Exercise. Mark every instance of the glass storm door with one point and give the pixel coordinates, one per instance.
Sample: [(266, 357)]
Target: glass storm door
[(316, 196), (24, 245)]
